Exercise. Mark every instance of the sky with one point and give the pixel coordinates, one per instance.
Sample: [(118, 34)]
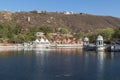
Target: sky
[(95, 7)]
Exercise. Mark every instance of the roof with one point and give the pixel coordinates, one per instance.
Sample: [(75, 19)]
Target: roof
[(36, 40), (86, 39), (99, 38), (42, 40)]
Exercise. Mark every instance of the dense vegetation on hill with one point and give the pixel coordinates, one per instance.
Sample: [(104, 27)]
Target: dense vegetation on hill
[(21, 26)]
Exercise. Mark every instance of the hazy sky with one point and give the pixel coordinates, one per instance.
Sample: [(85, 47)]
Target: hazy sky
[(98, 7)]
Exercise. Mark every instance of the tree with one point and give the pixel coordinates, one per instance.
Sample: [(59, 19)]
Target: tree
[(107, 33), (64, 31), (79, 35), (117, 33)]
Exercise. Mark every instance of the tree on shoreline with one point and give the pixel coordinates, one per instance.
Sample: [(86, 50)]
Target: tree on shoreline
[(107, 33), (15, 34)]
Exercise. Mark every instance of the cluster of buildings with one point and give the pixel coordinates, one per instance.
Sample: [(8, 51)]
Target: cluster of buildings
[(64, 12), (58, 38), (67, 40)]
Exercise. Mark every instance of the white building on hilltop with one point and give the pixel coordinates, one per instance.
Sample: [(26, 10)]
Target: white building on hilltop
[(68, 13)]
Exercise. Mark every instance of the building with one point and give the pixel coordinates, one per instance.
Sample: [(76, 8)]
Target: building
[(40, 34), (68, 13)]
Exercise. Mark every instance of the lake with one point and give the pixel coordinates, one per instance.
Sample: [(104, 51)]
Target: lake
[(59, 64)]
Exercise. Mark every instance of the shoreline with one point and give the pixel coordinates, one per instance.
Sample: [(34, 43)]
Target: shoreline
[(11, 45)]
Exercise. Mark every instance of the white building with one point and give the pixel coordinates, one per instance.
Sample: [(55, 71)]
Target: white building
[(40, 34), (99, 43), (86, 41), (68, 13), (41, 43)]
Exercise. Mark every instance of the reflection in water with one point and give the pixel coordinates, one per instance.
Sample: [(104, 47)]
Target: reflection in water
[(40, 56), (10, 54), (112, 55), (69, 50), (78, 51), (58, 64), (101, 56)]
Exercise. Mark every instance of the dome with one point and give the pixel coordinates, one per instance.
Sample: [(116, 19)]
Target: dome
[(99, 38), (85, 39), (36, 40), (42, 40), (47, 41)]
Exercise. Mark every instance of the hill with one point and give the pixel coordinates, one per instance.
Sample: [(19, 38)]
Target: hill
[(74, 21)]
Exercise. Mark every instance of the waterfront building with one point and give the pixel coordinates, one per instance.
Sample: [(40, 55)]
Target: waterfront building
[(99, 43), (41, 43), (116, 46), (86, 41)]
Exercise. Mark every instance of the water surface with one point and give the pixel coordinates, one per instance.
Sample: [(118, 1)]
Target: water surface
[(59, 64)]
